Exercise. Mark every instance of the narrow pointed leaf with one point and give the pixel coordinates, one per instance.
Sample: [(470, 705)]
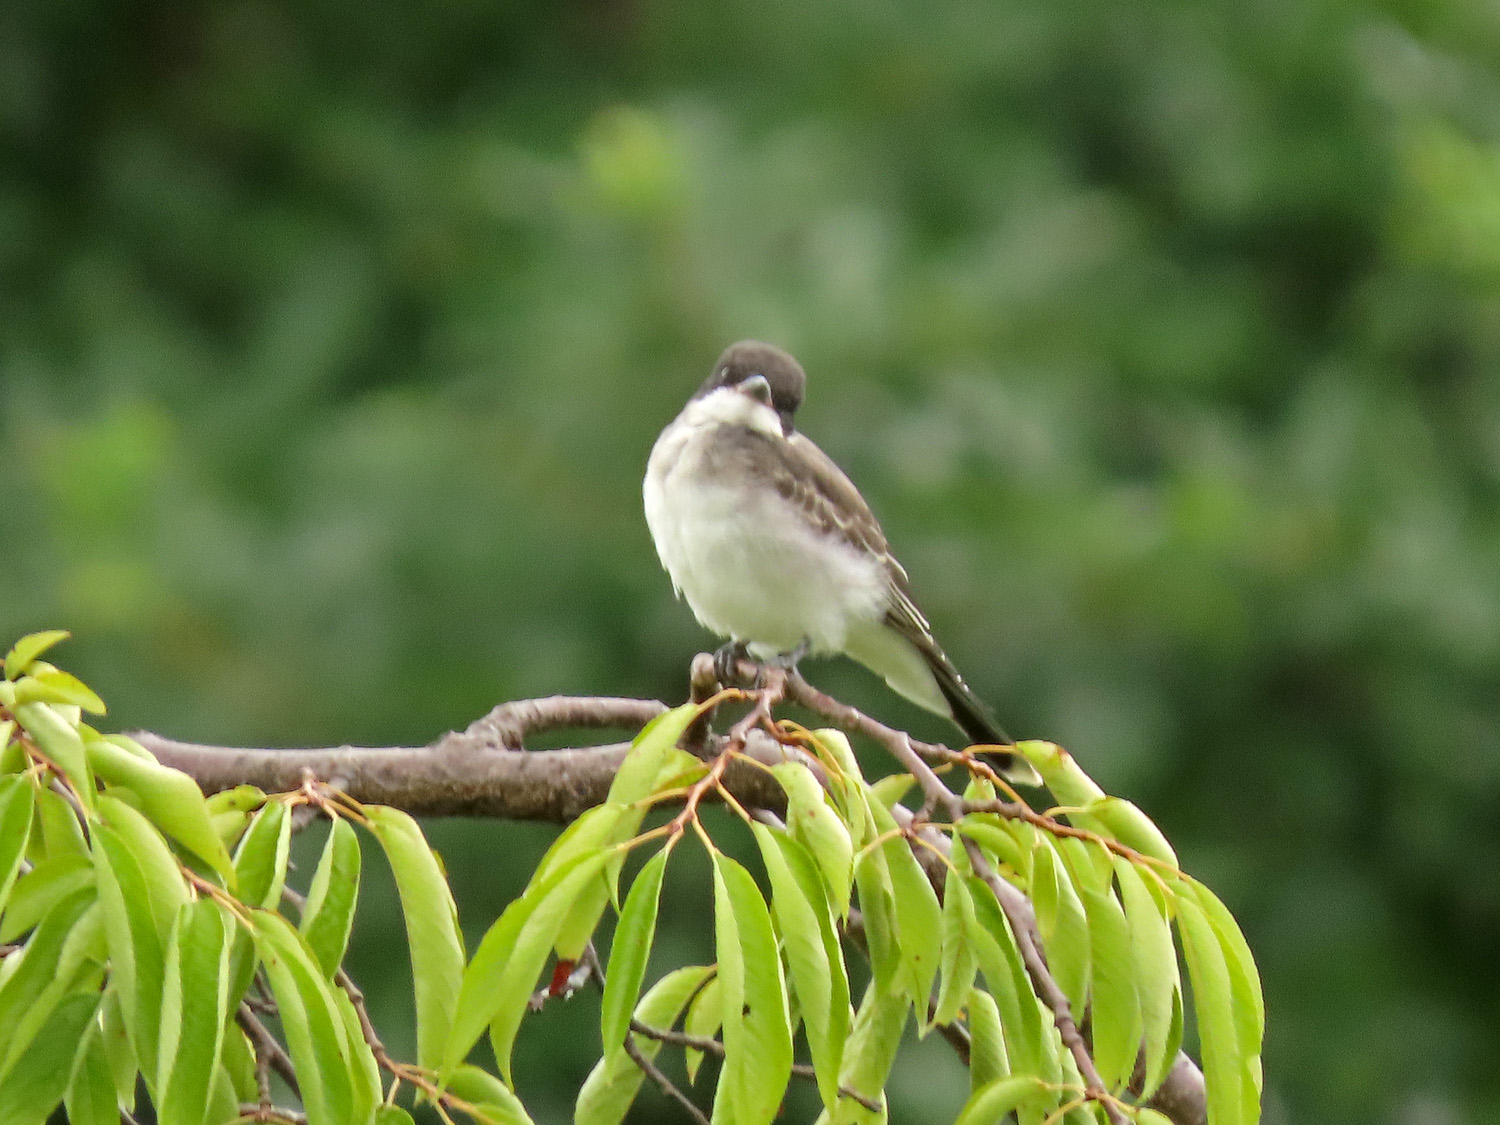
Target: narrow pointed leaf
[(874, 1039), (41, 888), (16, 804), (1226, 1073), (804, 920), (515, 969), (630, 952), (60, 741), (35, 1084), (988, 1059), (1062, 923), (489, 980), (194, 1011), (437, 948), (1116, 1008), (24, 999), (993, 1102), (1156, 974), (757, 1034), (162, 877), (19, 659), (491, 1099), (1250, 1004), (327, 1063), (959, 962), (813, 823), (651, 754), (90, 1098), (169, 798), (329, 914), (612, 1085)]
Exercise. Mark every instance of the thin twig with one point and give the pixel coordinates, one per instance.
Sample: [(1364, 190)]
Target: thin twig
[(265, 1045), (270, 1113), (711, 1046), (666, 1085)]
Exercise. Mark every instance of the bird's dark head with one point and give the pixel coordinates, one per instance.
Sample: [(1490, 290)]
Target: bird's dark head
[(762, 371)]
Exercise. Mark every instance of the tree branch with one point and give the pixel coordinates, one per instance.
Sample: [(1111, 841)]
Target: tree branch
[(474, 773)]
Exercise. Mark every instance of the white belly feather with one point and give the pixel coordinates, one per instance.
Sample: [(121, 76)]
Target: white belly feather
[(747, 564)]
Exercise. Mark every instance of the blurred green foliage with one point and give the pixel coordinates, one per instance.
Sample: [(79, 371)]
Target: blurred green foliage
[(1163, 337)]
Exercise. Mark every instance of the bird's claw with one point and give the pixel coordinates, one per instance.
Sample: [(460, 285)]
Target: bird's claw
[(727, 662)]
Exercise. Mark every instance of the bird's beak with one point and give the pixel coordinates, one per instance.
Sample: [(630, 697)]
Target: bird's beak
[(756, 387)]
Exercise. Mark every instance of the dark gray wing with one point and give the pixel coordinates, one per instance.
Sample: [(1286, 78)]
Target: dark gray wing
[(828, 499)]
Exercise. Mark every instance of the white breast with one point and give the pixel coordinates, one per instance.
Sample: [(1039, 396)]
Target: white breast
[(747, 563)]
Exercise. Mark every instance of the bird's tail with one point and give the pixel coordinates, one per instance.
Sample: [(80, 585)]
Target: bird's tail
[(975, 720)]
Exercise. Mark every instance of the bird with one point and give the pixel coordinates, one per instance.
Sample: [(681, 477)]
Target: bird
[(774, 548)]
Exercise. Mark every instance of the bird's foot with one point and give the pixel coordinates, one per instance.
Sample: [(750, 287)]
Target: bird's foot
[(788, 661), (727, 662)]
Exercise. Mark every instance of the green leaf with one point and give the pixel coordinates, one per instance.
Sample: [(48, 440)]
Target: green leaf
[(872, 878), (757, 1032), (993, 1102), (1121, 820), (169, 798), (1250, 1004), (237, 1057), (612, 1085), (16, 806), (491, 1099), (869, 1054), (437, 948), (24, 997), (136, 949), (1033, 1044), (918, 917), (52, 685), (61, 742), (194, 1011), (392, 1115), (630, 951), (116, 1041), (988, 1060), (32, 1088), (999, 841), (959, 962), (165, 889), (651, 755), (60, 832), (499, 981), (28, 648), (40, 889), (90, 1097), (1061, 922), (316, 1036), (260, 863), (1156, 976), (813, 824), (1069, 784), (804, 920), (704, 1017), (329, 914), (1116, 1008), (1232, 1096)]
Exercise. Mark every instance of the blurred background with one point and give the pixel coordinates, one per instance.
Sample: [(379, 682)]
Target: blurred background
[(1162, 337)]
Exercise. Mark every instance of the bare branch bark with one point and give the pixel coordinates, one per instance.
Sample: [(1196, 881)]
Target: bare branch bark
[(478, 772)]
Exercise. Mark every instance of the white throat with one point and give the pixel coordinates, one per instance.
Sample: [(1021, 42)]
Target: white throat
[(725, 406)]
